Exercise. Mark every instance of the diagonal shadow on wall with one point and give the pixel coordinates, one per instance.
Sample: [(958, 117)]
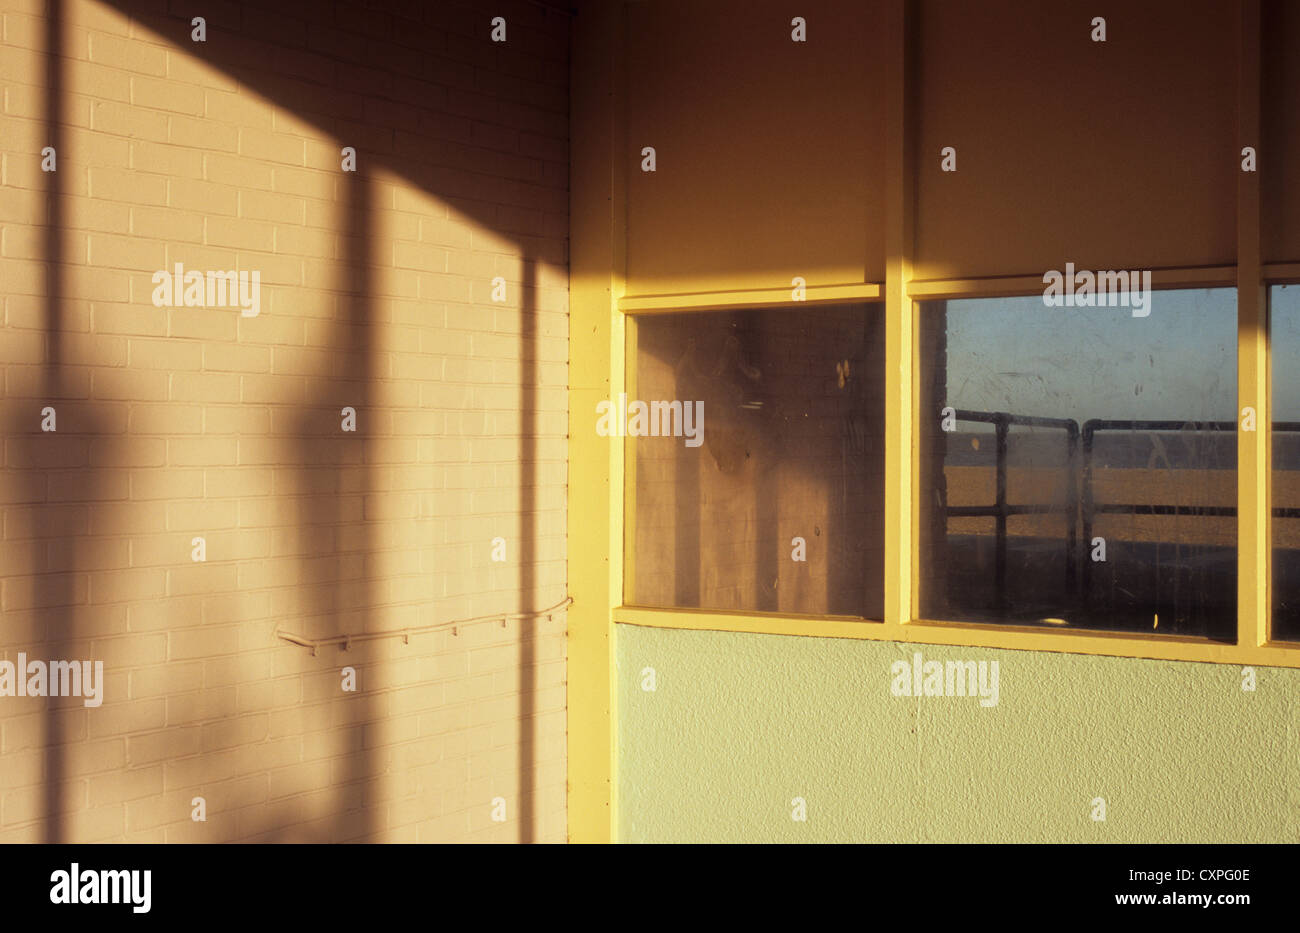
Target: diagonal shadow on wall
[(248, 50)]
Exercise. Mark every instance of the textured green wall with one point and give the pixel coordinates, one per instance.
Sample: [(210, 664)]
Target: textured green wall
[(740, 724)]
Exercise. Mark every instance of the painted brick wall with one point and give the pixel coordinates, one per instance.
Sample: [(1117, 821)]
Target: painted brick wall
[(182, 422)]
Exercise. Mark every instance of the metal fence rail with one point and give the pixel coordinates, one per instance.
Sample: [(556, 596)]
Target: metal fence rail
[(1082, 510), (1001, 509), (1091, 509)]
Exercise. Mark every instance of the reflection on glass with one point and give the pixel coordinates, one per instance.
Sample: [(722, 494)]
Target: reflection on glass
[(1078, 465), (780, 506), (1284, 350)]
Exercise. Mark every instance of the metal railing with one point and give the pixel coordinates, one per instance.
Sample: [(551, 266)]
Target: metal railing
[(1001, 509), (1091, 508), (1082, 511)]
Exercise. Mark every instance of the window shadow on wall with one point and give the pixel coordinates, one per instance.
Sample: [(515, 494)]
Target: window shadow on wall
[(338, 110)]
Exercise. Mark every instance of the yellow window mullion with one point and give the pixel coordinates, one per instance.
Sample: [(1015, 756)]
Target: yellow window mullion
[(900, 345), (1253, 453)]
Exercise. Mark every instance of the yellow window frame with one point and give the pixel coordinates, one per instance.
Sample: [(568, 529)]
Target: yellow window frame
[(601, 367)]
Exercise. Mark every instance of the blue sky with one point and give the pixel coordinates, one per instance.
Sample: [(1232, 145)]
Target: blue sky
[(1284, 309), (1180, 362)]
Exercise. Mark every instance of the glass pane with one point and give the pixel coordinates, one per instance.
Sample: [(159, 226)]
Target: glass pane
[(780, 506), (1284, 350), (1078, 465)]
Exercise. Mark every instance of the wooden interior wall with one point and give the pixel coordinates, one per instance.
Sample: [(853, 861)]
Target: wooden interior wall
[(1279, 171), (770, 153), (1111, 155)]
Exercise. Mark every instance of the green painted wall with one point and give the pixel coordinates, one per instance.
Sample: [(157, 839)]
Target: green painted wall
[(741, 724)]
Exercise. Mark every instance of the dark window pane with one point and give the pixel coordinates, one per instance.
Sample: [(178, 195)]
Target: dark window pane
[(1284, 347), (1069, 425), (792, 447)]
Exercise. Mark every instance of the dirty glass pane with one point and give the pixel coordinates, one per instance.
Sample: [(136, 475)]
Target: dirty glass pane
[(777, 503), (1078, 465), (1284, 347)]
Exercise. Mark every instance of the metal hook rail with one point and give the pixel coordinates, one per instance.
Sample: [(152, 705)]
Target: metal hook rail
[(345, 641)]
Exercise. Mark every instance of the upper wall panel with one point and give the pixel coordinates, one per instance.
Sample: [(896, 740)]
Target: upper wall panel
[(1279, 157), (770, 155), (1114, 154)]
